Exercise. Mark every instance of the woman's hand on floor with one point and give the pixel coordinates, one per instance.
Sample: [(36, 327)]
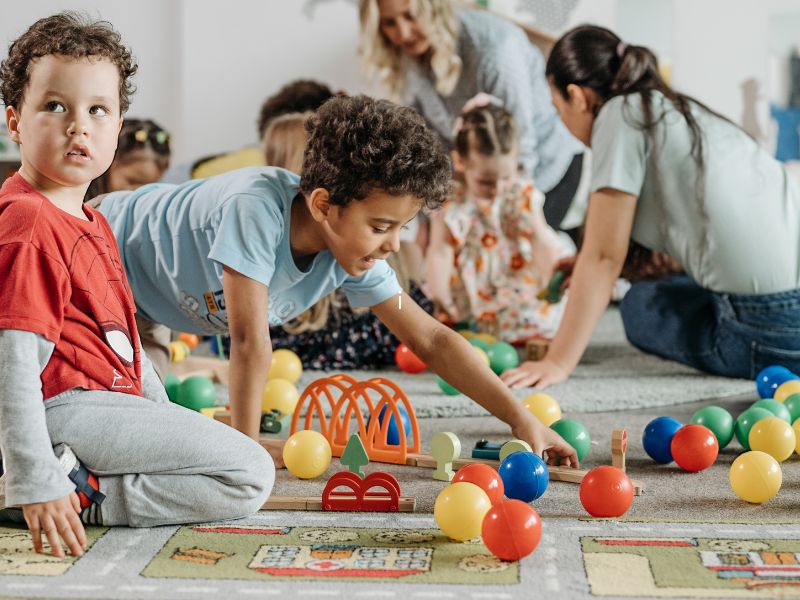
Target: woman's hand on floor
[(535, 373)]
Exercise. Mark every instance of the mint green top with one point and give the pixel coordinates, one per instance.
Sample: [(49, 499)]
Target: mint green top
[(735, 227)]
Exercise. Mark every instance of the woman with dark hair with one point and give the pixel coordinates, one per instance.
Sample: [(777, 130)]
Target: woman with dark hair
[(678, 178)]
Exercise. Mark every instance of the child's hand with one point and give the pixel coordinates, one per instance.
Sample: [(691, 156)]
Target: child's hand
[(543, 439), (535, 373), (57, 519)]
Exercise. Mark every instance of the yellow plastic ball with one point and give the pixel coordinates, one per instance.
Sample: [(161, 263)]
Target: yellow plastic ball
[(796, 427), (755, 476), (786, 389), (466, 334), (307, 454), (774, 436), (485, 337), (459, 510), (178, 351), (280, 395), (285, 365), (544, 407), (483, 355)]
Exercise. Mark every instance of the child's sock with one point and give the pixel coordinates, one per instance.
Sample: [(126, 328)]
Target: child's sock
[(86, 485)]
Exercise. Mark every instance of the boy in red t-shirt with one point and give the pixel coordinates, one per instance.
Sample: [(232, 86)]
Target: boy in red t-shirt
[(67, 329)]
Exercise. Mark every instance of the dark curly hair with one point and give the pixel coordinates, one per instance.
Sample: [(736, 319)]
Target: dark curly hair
[(298, 96), (359, 144), (65, 34)]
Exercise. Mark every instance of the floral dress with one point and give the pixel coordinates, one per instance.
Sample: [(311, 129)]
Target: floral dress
[(496, 279)]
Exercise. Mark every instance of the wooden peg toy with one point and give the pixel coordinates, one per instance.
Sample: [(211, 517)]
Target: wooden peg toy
[(619, 446)]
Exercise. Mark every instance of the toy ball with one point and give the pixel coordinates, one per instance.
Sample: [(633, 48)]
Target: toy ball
[(657, 438), (776, 408), (718, 420), (196, 392), (280, 395), (485, 477), (446, 387), (189, 339), (792, 404), (484, 356), (178, 351), (606, 492), (575, 434), (285, 365), (769, 378), (774, 436), (755, 476), (407, 361), (786, 389), (479, 343), (525, 476), (392, 433), (459, 510), (307, 454), (694, 448), (171, 385), (511, 529), (486, 338), (544, 407), (502, 356), (745, 422), (796, 427)]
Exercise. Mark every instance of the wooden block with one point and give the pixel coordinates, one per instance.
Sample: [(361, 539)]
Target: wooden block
[(619, 446), (407, 503), (223, 416), (445, 447), (536, 348)]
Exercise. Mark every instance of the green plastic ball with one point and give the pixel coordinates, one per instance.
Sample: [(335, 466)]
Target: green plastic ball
[(171, 384), (502, 356), (446, 387), (479, 343), (718, 420), (792, 404), (775, 407), (575, 434), (196, 392), (745, 421)]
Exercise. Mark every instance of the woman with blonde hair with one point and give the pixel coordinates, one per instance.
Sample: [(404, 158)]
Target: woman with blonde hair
[(435, 58)]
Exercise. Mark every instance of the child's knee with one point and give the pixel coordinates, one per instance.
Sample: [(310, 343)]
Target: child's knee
[(259, 473)]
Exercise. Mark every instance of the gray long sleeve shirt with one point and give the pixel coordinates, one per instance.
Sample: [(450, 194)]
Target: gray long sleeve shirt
[(498, 59)]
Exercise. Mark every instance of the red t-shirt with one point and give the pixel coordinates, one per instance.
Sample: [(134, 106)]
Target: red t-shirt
[(62, 277)]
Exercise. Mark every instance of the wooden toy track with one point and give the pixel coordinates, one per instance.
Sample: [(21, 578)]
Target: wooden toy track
[(345, 396)]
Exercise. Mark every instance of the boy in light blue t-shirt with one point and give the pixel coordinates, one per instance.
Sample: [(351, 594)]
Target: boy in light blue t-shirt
[(238, 252)]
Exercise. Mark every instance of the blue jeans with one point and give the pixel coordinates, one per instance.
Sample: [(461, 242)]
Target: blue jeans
[(725, 334)]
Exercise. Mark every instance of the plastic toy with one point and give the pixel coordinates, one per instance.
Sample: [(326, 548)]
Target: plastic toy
[(786, 389), (796, 427), (552, 293), (407, 361), (355, 455), (487, 450), (769, 378), (171, 385), (479, 343), (718, 420), (392, 434), (446, 387), (511, 529), (525, 476), (484, 356), (606, 492), (190, 339), (445, 447), (745, 422), (514, 446), (280, 395), (657, 438), (502, 356), (792, 404), (459, 510), (776, 408), (359, 497), (694, 448), (307, 454), (274, 421), (774, 436), (285, 365), (544, 407), (485, 477), (575, 434), (178, 351), (755, 476), (196, 392)]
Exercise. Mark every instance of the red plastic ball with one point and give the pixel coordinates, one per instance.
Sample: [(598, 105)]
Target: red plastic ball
[(606, 492), (511, 529), (694, 447), (408, 361), (485, 477)]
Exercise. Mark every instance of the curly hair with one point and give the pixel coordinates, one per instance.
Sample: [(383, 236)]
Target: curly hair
[(359, 144), (65, 34), (295, 97)]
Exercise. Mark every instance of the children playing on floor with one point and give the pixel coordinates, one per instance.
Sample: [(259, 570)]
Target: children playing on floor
[(81, 408), (255, 247), (491, 250)]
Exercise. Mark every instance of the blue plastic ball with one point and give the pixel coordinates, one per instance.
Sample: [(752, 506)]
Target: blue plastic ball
[(657, 438), (392, 433), (769, 378), (525, 476)]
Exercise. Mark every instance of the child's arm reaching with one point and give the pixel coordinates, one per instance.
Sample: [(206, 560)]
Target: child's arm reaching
[(452, 357), (439, 263), (34, 478)]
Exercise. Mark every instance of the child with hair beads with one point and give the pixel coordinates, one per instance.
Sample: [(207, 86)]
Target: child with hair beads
[(86, 431), (491, 249)]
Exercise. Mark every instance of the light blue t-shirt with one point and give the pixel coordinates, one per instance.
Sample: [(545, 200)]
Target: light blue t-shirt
[(735, 227), (175, 239)]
